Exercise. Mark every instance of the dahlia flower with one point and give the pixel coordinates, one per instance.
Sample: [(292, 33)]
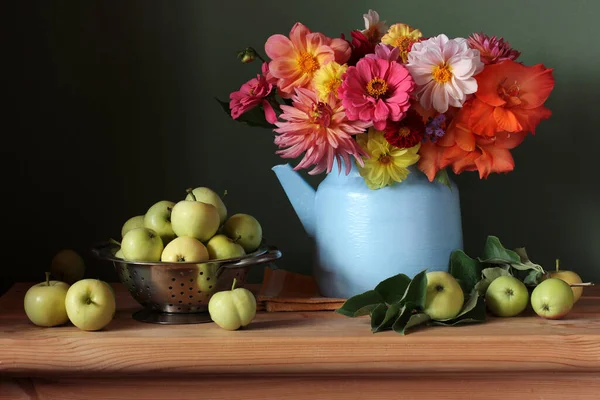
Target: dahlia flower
[(251, 94), (385, 52), (444, 71), (328, 79), (386, 164), (297, 58), (491, 49), (403, 37), (376, 91), (511, 98), (406, 133), (374, 28), (320, 130)]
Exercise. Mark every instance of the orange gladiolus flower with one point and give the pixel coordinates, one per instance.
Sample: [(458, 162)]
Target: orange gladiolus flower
[(510, 97)]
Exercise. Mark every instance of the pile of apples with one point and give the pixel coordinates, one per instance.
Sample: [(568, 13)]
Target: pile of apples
[(88, 303), (552, 298), (195, 229)]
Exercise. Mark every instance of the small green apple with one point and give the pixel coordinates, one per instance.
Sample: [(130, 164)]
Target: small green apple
[(185, 249), (552, 298), (569, 277), (158, 218), (45, 303), (444, 298), (220, 247), (67, 266), (208, 196), (90, 304), (132, 223), (119, 254), (232, 309), (506, 296), (142, 244), (195, 219), (245, 230)]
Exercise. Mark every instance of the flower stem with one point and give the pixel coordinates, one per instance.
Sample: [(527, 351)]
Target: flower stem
[(190, 191)]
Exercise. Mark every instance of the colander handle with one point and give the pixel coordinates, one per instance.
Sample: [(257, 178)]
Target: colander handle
[(270, 255)]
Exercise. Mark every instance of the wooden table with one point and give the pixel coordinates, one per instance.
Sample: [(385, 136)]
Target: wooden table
[(317, 355)]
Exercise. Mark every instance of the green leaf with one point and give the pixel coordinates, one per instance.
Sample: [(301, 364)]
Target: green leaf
[(388, 320), (378, 315), (466, 270), (533, 278), (488, 275), (417, 319), (473, 311), (522, 254), (392, 289), (401, 323), (495, 253), (416, 291), (361, 304), (254, 117), (443, 178)]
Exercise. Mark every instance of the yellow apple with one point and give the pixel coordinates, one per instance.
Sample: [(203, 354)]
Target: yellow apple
[(158, 218), (570, 277), (208, 196), (444, 298), (90, 304), (142, 244), (220, 247), (245, 230), (184, 249), (232, 309), (132, 223), (552, 298), (195, 219), (67, 266), (45, 303)]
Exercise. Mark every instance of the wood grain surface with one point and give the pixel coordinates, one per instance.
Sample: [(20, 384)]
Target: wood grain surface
[(296, 343)]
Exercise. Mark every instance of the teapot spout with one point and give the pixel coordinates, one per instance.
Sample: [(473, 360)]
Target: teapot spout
[(300, 194)]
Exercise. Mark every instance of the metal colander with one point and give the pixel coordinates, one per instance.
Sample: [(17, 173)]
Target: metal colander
[(175, 293)]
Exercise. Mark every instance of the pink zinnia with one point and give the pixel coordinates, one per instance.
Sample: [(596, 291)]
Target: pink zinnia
[(251, 94), (320, 130), (492, 50), (376, 91)]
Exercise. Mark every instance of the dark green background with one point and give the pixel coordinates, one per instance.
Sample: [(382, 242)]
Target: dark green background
[(111, 109)]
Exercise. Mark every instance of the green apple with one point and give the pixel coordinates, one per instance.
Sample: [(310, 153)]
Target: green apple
[(208, 196), (119, 254), (90, 304), (195, 219), (220, 247), (158, 218), (569, 277), (444, 298), (67, 266), (245, 230), (45, 303), (184, 249), (232, 309), (506, 296), (552, 298), (142, 244), (132, 223)]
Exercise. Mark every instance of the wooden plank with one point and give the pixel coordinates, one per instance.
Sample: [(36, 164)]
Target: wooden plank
[(296, 343), (440, 387)]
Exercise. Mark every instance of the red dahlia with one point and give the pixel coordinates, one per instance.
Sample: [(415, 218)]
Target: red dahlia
[(407, 132)]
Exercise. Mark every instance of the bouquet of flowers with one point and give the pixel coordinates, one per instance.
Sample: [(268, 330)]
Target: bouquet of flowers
[(388, 99)]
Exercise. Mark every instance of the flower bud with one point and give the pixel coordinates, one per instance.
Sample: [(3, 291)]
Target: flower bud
[(247, 56)]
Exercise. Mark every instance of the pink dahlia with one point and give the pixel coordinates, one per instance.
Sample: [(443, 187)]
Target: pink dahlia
[(251, 94), (375, 91), (492, 50), (385, 52), (297, 58), (320, 130)]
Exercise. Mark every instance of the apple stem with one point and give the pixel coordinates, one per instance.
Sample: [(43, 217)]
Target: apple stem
[(190, 191), (234, 283), (583, 284), (557, 264), (47, 278), (225, 193)]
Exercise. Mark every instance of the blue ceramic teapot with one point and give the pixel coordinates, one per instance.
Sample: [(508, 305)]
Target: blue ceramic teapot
[(364, 236)]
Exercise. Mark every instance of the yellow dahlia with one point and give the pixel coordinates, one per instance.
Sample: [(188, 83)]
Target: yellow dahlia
[(402, 36), (386, 163), (328, 79)]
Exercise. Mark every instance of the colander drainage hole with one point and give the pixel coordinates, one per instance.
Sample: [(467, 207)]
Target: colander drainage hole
[(191, 288), (189, 304), (142, 278), (178, 308), (182, 284), (170, 287), (191, 297), (208, 279), (210, 287), (199, 291), (147, 287), (180, 301), (201, 273), (181, 293), (172, 295), (129, 276), (170, 305), (200, 301), (173, 279)]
